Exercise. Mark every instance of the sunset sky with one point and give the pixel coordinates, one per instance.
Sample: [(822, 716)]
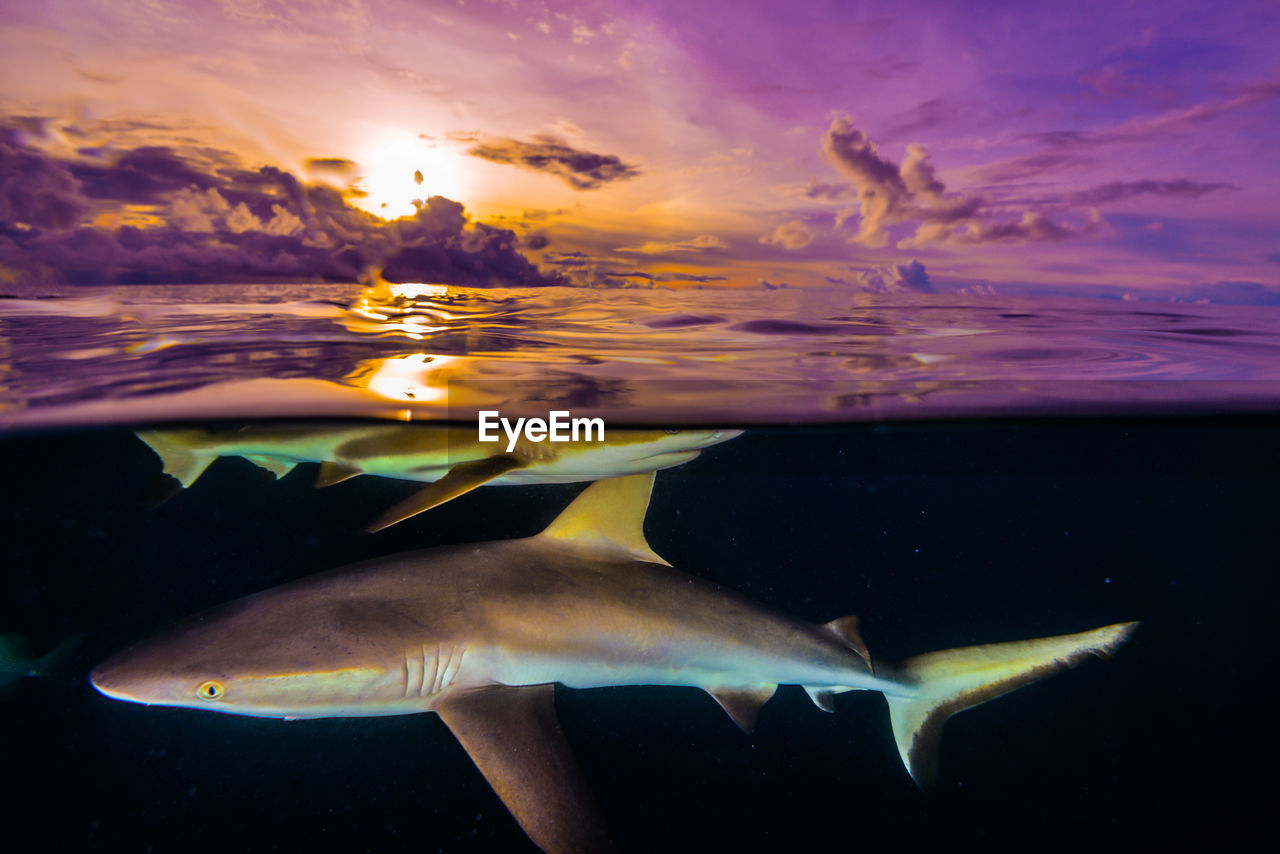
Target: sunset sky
[(1083, 148)]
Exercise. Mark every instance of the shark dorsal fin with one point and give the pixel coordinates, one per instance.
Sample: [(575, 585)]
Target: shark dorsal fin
[(609, 514)]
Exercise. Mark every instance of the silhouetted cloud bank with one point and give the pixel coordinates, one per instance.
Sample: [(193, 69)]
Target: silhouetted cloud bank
[(153, 215)]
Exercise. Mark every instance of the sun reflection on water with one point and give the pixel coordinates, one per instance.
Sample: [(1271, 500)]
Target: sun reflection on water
[(416, 378)]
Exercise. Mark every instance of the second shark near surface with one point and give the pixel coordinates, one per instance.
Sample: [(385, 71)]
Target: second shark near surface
[(480, 633), (450, 457)]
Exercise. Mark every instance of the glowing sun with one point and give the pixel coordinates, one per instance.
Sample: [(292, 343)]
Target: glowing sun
[(401, 168)]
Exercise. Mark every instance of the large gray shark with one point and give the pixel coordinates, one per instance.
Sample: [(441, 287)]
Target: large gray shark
[(480, 633), (448, 456)]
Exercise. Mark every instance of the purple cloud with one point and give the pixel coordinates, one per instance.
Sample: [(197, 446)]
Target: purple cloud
[(790, 235), (923, 116), (36, 193), (1116, 190), (816, 189), (1030, 166), (1158, 126), (337, 166), (896, 279), (227, 225), (890, 194), (582, 170)]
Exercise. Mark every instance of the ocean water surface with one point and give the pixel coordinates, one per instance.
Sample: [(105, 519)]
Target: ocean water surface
[(146, 353)]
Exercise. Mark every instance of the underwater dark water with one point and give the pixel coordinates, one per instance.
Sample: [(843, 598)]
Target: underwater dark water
[(937, 535)]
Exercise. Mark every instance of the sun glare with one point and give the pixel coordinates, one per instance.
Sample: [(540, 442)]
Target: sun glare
[(400, 169)]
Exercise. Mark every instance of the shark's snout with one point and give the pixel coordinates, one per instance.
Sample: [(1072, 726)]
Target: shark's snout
[(115, 678)]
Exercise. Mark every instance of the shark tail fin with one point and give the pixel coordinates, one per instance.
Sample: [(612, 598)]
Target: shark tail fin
[(176, 454), (953, 680)]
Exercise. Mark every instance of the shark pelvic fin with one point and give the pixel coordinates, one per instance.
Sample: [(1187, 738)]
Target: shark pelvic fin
[(461, 479), (609, 513), (743, 704), (953, 680), (178, 460), (331, 473), (275, 465), (513, 737)]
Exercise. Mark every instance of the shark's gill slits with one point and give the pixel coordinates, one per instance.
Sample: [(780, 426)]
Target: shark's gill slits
[(435, 671), (431, 669), (444, 668)]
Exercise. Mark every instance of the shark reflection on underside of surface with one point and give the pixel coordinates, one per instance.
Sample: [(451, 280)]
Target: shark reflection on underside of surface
[(450, 458)]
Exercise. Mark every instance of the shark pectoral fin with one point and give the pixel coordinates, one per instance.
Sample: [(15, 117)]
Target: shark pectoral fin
[(331, 473), (743, 704), (953, 680), (513, 737), (275, 465), (462, 478), (178, 460), (610, 514), (846, 631)]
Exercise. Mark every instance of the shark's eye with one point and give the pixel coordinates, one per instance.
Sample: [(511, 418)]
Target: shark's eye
[(210, 690), (671, 431)]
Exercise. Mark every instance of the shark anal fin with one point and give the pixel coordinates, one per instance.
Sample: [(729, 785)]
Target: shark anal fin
[(743, 704), (953, 680), (331, 473), (513, 737), (609, 514), (160, 489), (462, 478), (823, 698), (846, 630)]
